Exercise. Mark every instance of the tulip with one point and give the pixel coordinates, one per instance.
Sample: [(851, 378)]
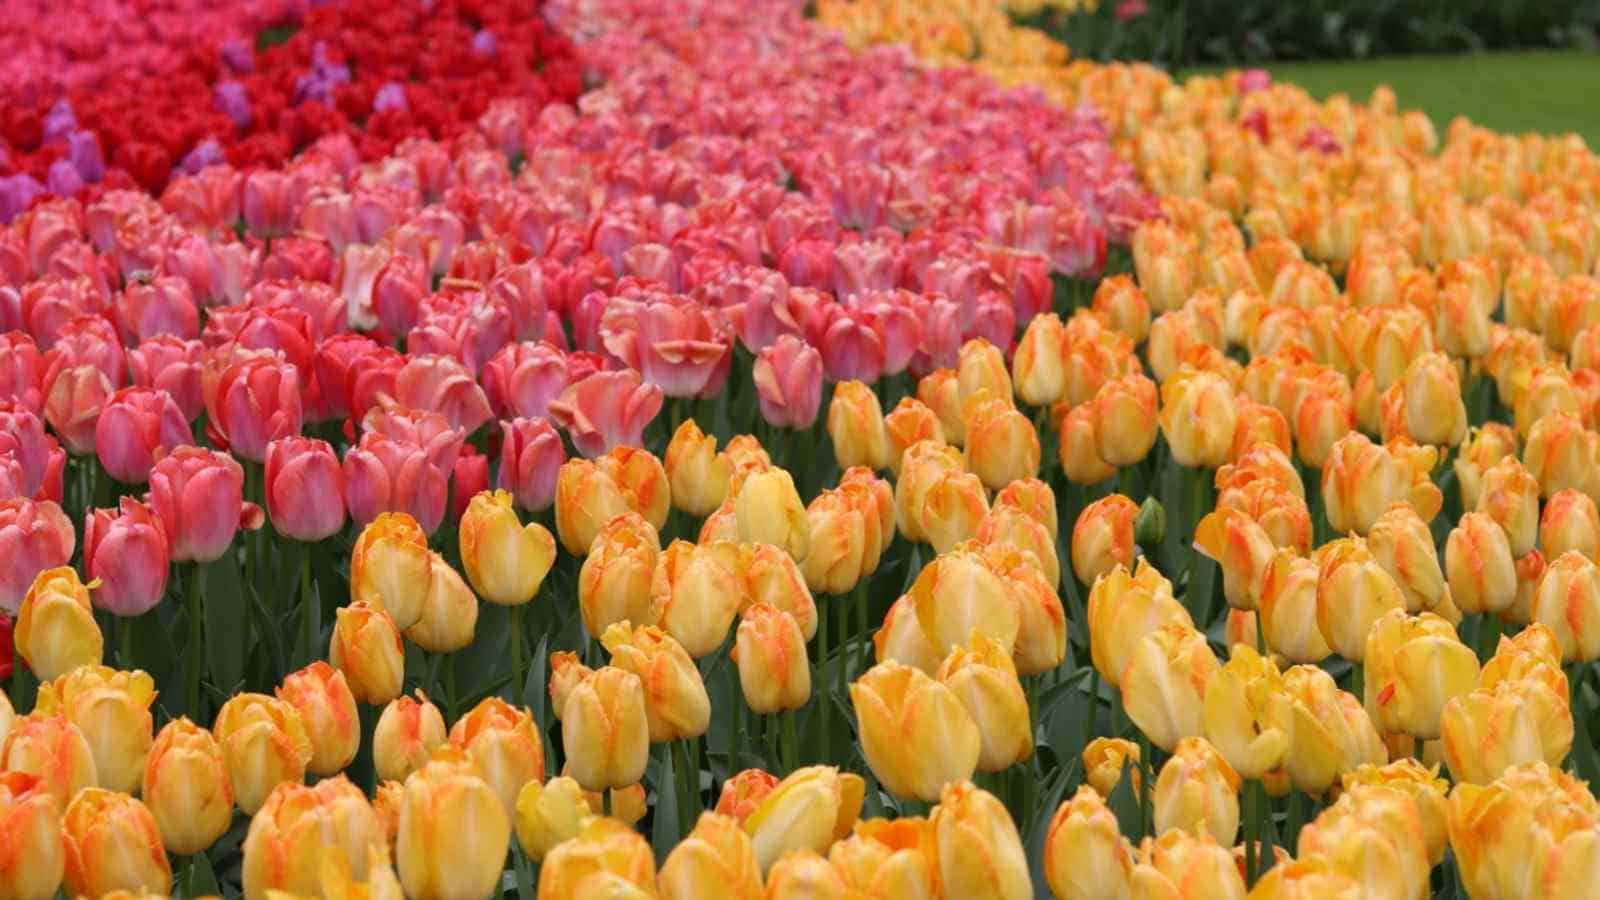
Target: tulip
[(1510, 496), (52, 748), (256, 402), (1288, 609), (35, 536), (385, 474), (1478, 561), (1002, 446), (505, 560), (1242, 548), (1125, 420), (1373, 834), (1527, 834), (366, 647), (953, 505), (923, 465), (1485, 447), (453, 833), (185, 783), (744, 791), (1332, 732), (389, 567), (113, 843), (199, 495), (837, 554), (301, 831), (605, 731), (173, 365), (1198, 417), (449, 614), (1570, 522), (1010, 525), (959, 593), (265, 743), (811, 809), (126, 555), (1102, 538), (605, 858), (1179, 864), (32, 852), (627, 804), (804, 875), (916, 734), (902, 639), (889, 858), (910, 422), (1124, 608), (1104, 760), (1198, 792), (605, 410), (1248, 716), (1361, 480), (521, 379), (856, 425), (1414, 666), (406, 734), (642, 480), (769, 511), (716, 853), (549, 814), (587, 497), (979, 850), (1568, 601), (695, 593), (1037, 366), (675, 702), (1122, 304), (1314, 877), (112, 711), (1085, 855), (1430, 393), (698, 475), (984, 679), (1402, 544), (505, 744), (1425, 788), (327, 709), (74, 396), (770, 651), (56, 631), (788, 380), (305, 489), (1560, 453), (1165, 683), (41, 460), (1353, 591), (138, 426), (614, 583), (531, 456), (1510, 723)]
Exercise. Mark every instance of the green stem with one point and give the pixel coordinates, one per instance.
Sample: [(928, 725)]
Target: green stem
[(1091, 713), (791, 741), (684, 774), (518, 662), (605, 802), (450, 687), (1358, 674), (1261, 635), (864, 616), (825, 613), (196, 643), (125, 641), (1145, 786), (310, 606), (1252, 829)]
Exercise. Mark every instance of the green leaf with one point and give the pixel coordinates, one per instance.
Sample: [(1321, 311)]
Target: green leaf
[(202, 879), (227, 639), (666, 827), (1125, 804)]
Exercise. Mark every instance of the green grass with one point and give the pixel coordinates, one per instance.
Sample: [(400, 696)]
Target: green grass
[(1551, 92)]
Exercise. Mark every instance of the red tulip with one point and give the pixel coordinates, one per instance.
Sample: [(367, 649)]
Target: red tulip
[(305, 488), (469, 479), (531, 454), (283, 329), (605, 410), (851, 349), (443, 385), (199, 495), (299, 257), (126, 550), (40, 460), (675, 343), (788, 377), (256, 402), (522, 379), (386, 475), (340, 360), (138, 426), (34, 536), (173, 365), (164, 305), (21, 371)]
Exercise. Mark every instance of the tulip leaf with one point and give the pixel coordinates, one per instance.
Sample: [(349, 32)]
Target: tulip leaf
[(226, 620), (1052, 792), (202, 880), (1125, 804), (666, 827)]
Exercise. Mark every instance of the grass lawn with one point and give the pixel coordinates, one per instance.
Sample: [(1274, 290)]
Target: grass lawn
[(1545, 91)]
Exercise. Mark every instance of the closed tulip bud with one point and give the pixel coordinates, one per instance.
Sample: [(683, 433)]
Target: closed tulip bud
[(1506, 724), (940, 391), (113, 843), (979, 850), (186, 786), (406, 733), (1560, 453), (1102, 538), (642, 480), (1104, 760), (52, 748), (1248, 716), (716, 855), (112, 711), (265, 743), (698, 475), (548, 814), (56, 631), (1287, 609), (566, 673), (1242, 548), (305, 489), (1425, 788), (984, 679), (1085, 855), (1198, 792), (1033, 498), (504, 742), (1036, 367), (1078, 446), (1181, 865), (1353, 591), (1165, 683), (389, 567), (855, 423), (1414, 666), (605, 731), (505, 560), (1198, 417), (1510, 496), (788, 379), (675, 701), (125, 552), (769, 511), (981, 366), (909, 422), (959, 593), (1485, 446), (32, 852), (742, 793), (1570, 522), (696, 592), (1431, 400), (453, 833), (811, 809), (1125, 419), (805, 875), (449, 614), (35, 536), (1124, 608), (366, 648), (587, 497), (773, 578), (770, 651), (1527, 834), (615, 581), (1568, 602), (916, 734), (1477, 556), (1002, 445), (300, 830), (953, 505), (836, 557), (1121, 303), (1373, 834), (1402, 544), (327, 708)]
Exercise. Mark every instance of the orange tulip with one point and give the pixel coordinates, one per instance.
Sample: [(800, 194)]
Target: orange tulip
[(366, 648), (980, 366), (1402, 544), (1478, 560), (1242, 548), (112, 711), (1120, 301), (675, 703), (1362, 479), (605, 731), (742, 793), (1568, 602), (300, 830), (773, 578), (406, 733), (504, 741), (1179, 864), (614, 582), (1165, 683), (959, 593), (889, 858), (113, 844), (1485, 446), (1570, 522), (265, 744), (32, 852), (1198, 417), (716, 855), (900, 638), (979, 850), (1002, 445), (855, 423), (696, 592), (327, 708), (587, 497), (1510, 496), (1374, 834), (389, 567), (1198, 792), (1248, 716), (770, 651), (1527, 834), (916, 734), (953, 506), (1425, 788), (697, 475), (1124, 608), (1560, 453), (1010, 525), (566, 673), (839, 539), (52, 748), (908, 423), (804, 875), (186, 787), (1104, 760), (1102, 538), (811, 809), (1085, 855), (1078, 445), (1125, 419), (984, 679)]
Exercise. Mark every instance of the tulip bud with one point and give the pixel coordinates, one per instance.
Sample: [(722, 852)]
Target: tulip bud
[(125, 552), (1568, 601), (566, 673), (788, 379), (696, 592), (186, 786), (34, 536), (1179, 864), (1510, 497), (449, 614), (1352, 592), (1361, 480), (697, 473), (504, 741), (1373, 834), (1085, 855), (389, 567), (902, 639), (916, 734), (505, 560), (32, 849), (855, 423), (1125, 420), (1414, 666), (265, 743), (1102, 538), (811, 809), (769, 511), (953, 505), (1485, 447), (1248, 716), (548, 814), (1478, 560), (113, 843), (984, 679), (1243, 550), (614, 584), (328, 710), (300, 830), (1402, 544), (770, 652), (1570, 522), (1122, 304), (675, 702), (1332, 732), (716, 855), (959, 593), (1002, 445), (1104, 760), (836, 557), (531, 456), (136, 427), (1560, 453), (910, 422), (889, 858), (305, 489), (627, 804), (406, 733), (1288, 609), (1011, 525), (1124, 608), (111, 710), (1078, 445), (774, 579), (1430, 393), (1198, 792), (979, 850), (1198, 417), (453, 832), (366, 648), (1165, 683), (1425, 788), (56, 631), (52, 748), (605, 731), (587, 497)]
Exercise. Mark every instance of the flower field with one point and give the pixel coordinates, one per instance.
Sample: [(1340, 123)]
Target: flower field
[(453, 449)]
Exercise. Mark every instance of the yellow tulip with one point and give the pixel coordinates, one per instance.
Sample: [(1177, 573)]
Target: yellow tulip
[(1085, 855), (855, 423), (605, 731), (770, 651), (837, 554), (1513, 722), (716, 859), (1124, 608), (1374, 834), (504, 741), (1248, 715), (1425, 788), (389, 567), (1570, 521), (113, 843), (984, 678), (1198, 417), (980, 852), (52, 748), (890, 858), (769, 511), (186, 786), (449, 615), (56, 631), (112, 711), (406, 733), (698, 475), (915, 733), (587, 497), (675, 702), (265, 743), (804, 875), (1414, 666), (548, 814), (1528, 834), (1353, 591), (1102, 538), (366, 647), (1165, 683), (32, 852), (1332, 731), (1313, 877), (1568, 602), (505, 560), (910, 422), (327, 708), (614, 582), (299, 828), (773, 578), (1037, 364), (696, 592), (1402, 544), (1186, 867), (1104, 760), (810, 809), (453, 832), (959, 593), (1198, 792), (1002, 445)]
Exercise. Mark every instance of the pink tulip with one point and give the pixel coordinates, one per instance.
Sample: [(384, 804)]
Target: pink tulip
[(256, 402), (305, 488), (323, 307), (863, 267), (266, 200), (384, 475), (523, 290), (73, 399), (138, 426), (89, 340), (788, 377), (443, 385), (851, 349), (893, 315), (381, 288), (605, 410), (522, 379), (428, 430), (282, 328), (127, 550), (217, 273), (808, 263), (199, 495), (39, 459), (531, 454), (469, 479), (994, 320), (940, 342), (299, 258), (34, 536), (675, 343), (162, 306), (21, 371), (758, 303), (207, 200), (48, 304), (587, 314), (464, 325), (173, 365)]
